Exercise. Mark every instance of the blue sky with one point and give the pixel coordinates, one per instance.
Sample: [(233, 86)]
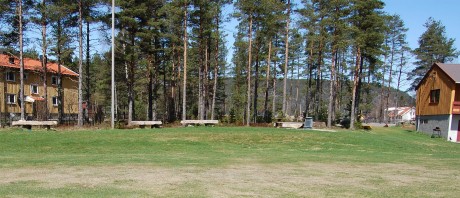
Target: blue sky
[(415, 13)]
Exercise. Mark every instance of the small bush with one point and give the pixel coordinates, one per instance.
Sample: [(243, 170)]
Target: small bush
[(358, 125), (232, 118), (268, 117), (345, 123)]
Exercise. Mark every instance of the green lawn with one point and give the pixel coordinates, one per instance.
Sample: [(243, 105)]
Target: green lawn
[(227, 162)]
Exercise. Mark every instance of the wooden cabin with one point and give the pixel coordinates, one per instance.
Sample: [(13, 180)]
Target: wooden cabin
[(34, 97), (438, 101)]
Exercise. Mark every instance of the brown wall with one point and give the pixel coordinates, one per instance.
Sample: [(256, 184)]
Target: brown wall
[(446, 86), (457, 92), (70, 85)]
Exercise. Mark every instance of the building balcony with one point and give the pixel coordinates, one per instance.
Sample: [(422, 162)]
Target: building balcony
[(456, 108)]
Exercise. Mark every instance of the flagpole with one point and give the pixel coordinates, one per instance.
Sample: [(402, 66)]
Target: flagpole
[(113, 66)]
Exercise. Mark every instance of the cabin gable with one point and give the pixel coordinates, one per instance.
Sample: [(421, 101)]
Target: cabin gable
[(435, 93)]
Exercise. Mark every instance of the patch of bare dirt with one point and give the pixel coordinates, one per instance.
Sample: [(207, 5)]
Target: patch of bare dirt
[(246, 180)]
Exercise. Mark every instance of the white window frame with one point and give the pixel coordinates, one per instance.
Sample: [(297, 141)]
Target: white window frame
[(54, 101), (8, 73), (55, 77), (8, 99), (32, 89)]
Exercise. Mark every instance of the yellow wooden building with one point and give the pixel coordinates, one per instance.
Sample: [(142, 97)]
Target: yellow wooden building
[(34, 88), (438, 101)]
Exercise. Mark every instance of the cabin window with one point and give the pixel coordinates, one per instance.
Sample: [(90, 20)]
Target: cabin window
[(10, 98), (54, 80), (434, 96), (55, 101), (10, 76), (34, 89)]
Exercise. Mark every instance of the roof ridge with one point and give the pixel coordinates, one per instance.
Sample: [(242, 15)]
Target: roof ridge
[(32, 64)]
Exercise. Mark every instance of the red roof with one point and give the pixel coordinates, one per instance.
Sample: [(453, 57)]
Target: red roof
[(401, 111), (34, 65)]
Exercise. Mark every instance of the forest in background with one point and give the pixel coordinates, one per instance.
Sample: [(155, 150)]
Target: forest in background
[(334, 59)]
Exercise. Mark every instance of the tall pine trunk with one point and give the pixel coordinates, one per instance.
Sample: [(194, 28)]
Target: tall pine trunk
[(390, 79), (216, 70), (60, 97), (399, 79), (319, 80), (308, 96), (286, 56), (332, 91), (80, 65), (383, 112), (274, 80), (150, 88), (130, 81), (354, 89), (274, 88), (359, 86), (267, 80), (248, 105), (184, 89), (21, 61), (297, 91), (44, 60), (256, 81), (202, 56), (88, 74)]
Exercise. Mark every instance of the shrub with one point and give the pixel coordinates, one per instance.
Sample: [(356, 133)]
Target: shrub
[(345, 123)]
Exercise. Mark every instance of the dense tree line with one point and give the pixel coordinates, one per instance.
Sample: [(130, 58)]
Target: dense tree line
[(318, 58)]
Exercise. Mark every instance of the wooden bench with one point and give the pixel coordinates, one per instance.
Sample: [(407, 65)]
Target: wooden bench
[(142, 124), (28, 124), (199, 122), (292, 125), (367, 127)]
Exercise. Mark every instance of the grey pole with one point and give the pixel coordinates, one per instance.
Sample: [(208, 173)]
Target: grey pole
[(113, 66)]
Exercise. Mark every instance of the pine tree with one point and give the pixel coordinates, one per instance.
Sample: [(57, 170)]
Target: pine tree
[(247, 10), (338, 10), (62, 23), (365, 20), (271, 25), (14, 14), (91, 14), (395, 42), (434, 47)]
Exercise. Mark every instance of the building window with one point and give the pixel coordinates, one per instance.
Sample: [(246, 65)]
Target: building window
[(54, 80), (25, 75), (55, 101), (434, 96), (10, 98), (33, 89), (10, 76)]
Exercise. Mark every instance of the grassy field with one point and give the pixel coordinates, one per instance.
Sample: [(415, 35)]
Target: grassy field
[(227, 162)]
